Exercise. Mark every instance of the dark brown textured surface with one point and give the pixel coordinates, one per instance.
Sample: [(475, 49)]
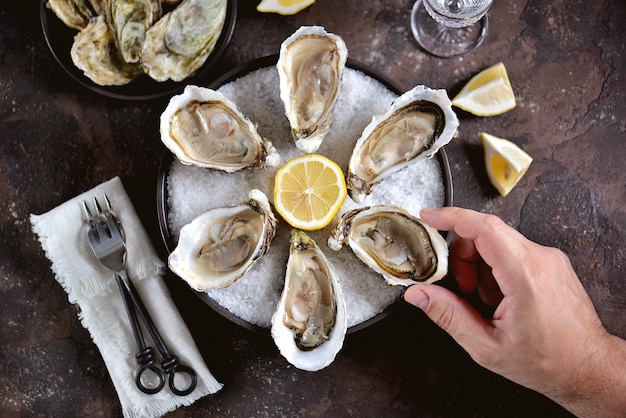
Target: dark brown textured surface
[(566, 62)]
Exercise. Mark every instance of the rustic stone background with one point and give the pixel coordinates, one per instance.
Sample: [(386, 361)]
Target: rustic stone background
[(566, 62)]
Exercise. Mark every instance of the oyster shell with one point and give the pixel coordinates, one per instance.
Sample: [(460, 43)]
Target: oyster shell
[(204, 128), (416, 126), (130, 19), (221, 245), (393, 243), (310, 321), (310, 67), (76, 14), (181, 41), (95, 52)]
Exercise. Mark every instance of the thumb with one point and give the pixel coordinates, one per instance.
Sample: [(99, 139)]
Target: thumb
[(453, 314)]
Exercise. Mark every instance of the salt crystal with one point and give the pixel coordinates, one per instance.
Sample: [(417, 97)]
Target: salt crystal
[(193, 190)]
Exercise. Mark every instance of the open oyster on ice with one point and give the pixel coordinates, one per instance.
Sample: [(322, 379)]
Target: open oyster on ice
[(219, 246), (393, 243), (178, 44), (416, 126), (202, 127), (310, 67), (310, 321)]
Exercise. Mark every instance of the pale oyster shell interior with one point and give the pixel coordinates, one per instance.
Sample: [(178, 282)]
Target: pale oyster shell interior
[(221, 245), (310, 67), (414, 127), (310, 321), (394, 243), (204, 128)]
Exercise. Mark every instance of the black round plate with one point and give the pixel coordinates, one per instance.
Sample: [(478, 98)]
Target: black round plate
[(166, 161), (60, 39)]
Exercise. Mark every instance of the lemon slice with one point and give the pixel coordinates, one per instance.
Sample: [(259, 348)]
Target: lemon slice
[(488, 93), (283, 7), (505, 162), (308, 191)]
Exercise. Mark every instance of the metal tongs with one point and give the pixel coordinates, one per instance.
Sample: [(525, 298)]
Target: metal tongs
[(106, 238)]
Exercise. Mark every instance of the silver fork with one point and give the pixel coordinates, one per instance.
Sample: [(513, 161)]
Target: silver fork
[(106, 239)]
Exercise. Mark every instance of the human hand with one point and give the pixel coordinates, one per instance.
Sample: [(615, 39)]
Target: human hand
[(544, 333)]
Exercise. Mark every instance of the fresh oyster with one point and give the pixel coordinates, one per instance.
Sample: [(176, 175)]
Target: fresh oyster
[(95, 52), (415, 126), (310, 321), (221, 245), (130, 19), (76, 14), (181, 41), (393, 243), (204, 128), (310, 67)]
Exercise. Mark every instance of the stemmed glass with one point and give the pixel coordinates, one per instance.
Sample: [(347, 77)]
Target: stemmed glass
[(449, 28)]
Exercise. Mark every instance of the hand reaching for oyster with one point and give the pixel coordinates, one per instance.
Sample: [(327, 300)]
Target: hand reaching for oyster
[(118, 40), (544, 333)]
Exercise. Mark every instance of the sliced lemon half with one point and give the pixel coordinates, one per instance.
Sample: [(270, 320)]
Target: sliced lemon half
[(283, 7), (308, 191), (505, 162), (488, 93)]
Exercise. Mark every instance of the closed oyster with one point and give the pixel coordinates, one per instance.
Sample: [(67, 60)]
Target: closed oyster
[(76, 14), (310, 67), (221, 245), (130, 19), (415, 126), (393, 243), (181, 41), (310, 321), (95, 52), (204, 128)]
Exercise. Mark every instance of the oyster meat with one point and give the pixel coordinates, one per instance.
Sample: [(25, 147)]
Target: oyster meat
[(415, 126), (181, 41), (221, 245), (204, 128), (310, 68), (310, 321), (393, 243)]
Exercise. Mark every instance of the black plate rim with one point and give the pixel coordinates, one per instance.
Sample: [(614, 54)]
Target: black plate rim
[(161, 89), (167, 159)]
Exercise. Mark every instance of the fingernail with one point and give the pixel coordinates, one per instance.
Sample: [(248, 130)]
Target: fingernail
[(426, 211), (419, 299)]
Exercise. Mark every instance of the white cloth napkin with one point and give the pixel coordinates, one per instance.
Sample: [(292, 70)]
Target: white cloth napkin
[(62, 234)]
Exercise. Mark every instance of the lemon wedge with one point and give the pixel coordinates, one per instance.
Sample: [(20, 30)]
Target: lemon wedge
[(308, 191), (505, 162), (488, 93), (283, 7)]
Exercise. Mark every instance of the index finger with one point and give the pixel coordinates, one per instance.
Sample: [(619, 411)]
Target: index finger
[(499, 245)]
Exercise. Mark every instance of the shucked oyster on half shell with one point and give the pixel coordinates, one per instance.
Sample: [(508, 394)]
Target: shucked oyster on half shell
[(310, 67), (178, 44), (310, 321), (221, 245), (393, 243), (202, 127), (416, 126)]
